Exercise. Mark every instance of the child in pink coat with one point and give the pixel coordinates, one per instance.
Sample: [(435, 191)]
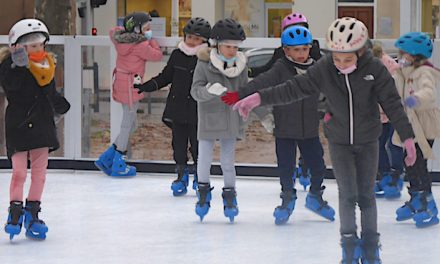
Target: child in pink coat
[(134, 46)]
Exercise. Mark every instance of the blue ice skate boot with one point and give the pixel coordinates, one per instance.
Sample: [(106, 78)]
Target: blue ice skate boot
[(370, 248), (351, 250), (304, 174), (378, 190), (35, 228), (194, 186), (283, 212), (120, 168), (394, 186), (315, 203), (408, 210), (179, 186), (105, 161), (204, 196), (427, 215), (230, 203), (15, 219)]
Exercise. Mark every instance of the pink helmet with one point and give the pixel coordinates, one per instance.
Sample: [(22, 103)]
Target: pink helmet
[(294, 19)]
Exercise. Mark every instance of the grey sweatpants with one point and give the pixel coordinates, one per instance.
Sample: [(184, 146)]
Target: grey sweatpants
[(227, 160), (355, 168), (128, 125)]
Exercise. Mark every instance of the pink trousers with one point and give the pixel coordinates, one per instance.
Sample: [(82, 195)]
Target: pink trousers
[(39, 159)]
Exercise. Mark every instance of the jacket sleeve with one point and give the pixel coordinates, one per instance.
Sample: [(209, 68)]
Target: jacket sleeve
[(390, 102), (295, 89), (11, 78), (198, 89), (149, 51), (426, 92), (166, 76), (59, 103), (264, 80), (255, 71)]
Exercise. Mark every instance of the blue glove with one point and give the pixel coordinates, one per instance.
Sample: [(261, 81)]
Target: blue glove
[(411, 101)]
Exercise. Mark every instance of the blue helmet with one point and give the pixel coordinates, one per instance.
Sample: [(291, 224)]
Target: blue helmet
[(296, 36), (415, 43)]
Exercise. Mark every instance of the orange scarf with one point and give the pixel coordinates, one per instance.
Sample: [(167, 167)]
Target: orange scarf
[(37, 56), (43, 75)]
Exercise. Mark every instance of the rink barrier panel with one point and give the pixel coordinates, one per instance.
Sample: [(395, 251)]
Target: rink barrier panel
[(72, 134)]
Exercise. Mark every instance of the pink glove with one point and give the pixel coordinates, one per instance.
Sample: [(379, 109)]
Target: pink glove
[(411, 155), (246, 105)]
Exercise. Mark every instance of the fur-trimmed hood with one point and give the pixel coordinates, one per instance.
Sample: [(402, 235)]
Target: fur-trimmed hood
[(204, 53), (4, 53), (121, 36)]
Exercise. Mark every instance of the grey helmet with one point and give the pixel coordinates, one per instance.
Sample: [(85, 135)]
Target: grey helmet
[(227, 29), (198, 26)]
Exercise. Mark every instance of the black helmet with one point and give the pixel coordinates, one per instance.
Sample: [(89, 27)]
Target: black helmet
[(199, 27), (227, 29), (133, 22)]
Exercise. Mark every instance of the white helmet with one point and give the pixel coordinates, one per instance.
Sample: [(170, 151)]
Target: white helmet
[(26, 27), (346, 34)]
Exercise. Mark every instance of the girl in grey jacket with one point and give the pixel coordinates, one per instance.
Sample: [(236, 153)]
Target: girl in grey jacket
[(218, 68), (354, 83)]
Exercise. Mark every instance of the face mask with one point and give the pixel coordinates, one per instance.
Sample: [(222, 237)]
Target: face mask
[(347, 70), (230, 61), (403, 62), (37, 56), (148, 34)]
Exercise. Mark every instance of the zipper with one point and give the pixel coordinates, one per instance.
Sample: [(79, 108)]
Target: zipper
[(350, 105)]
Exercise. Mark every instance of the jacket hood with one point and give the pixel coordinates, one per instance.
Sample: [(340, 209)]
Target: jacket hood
[(121, 36), (4, 53), (204, 53), (364, 59)]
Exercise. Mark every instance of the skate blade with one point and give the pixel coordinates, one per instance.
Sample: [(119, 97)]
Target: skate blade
[(401, 219), (102, 168), (430, 222), (331, 218)]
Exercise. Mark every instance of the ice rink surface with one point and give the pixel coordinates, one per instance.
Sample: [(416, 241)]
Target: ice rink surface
[(93, 218)]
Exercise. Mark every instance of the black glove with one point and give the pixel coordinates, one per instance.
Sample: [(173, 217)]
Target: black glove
[(149, 86)]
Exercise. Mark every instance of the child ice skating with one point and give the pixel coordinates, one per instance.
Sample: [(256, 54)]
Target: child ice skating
[(416, 82), (181, 109), (27, 76), (354, 83), (217, 68), (134, 46)]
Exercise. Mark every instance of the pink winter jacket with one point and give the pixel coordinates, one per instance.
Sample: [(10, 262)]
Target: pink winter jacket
[(133, 51)]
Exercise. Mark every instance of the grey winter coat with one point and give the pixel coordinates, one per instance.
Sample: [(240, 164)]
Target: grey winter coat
[(216, 120), (298, 120), (352, 113)]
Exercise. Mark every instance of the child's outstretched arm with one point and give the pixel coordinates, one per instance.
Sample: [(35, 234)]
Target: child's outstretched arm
[(390, 102), (264, 80), (161, 80)]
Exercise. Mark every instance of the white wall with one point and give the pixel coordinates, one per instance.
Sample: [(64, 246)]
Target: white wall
[(319, 20), (211, 10)]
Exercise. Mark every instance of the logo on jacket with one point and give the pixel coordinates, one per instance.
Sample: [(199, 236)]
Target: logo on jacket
[(369, 77)]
